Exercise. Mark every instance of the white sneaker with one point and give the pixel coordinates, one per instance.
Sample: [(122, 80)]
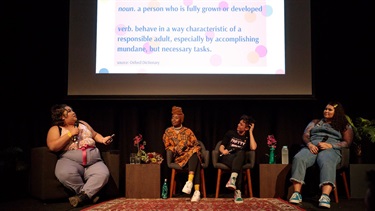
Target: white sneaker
[(231, 184), (196, 196), (187, 188), (325, 201), (237, 196), (296, 198)]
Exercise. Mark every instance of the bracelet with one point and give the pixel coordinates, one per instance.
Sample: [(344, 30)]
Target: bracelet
[(308, 143), (69, 134)]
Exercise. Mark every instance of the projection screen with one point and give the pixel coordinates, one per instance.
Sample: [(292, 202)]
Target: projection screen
[(151, 48)]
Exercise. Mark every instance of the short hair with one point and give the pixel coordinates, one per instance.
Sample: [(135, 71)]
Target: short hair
[(247, 119)]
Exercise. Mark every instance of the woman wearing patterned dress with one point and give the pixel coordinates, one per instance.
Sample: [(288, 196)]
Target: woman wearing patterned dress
[(186, 151)]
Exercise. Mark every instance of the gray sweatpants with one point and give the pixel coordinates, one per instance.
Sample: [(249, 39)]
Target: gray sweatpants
[(89, 178)]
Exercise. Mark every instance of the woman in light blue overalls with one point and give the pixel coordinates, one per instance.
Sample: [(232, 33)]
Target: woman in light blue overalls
[(323, 140)]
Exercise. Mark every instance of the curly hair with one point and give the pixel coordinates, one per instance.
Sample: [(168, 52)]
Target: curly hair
[(339, 121), (56, 112)]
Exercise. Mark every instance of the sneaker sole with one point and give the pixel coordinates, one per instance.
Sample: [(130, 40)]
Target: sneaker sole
[(231, 187), (324, 205), (295, 201), (196, 197), (186, 191), (238, 202)]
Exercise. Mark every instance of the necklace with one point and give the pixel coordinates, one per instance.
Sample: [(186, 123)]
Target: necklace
[(177, 128)]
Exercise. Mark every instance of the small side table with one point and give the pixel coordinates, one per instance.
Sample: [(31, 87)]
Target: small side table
[(274, 181), (358, 179), (142, 181)]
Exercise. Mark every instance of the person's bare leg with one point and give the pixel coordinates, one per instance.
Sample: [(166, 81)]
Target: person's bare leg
[(326, 189), (297, 186), (296, 197), (324, 200)]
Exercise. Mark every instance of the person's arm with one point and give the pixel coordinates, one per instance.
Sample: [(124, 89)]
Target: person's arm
[(95, 135), (253, 143), (347, 138), (306, 137), (168, 142), (224, 142), (222, 150), (57, 142), (306, 133), (192, 140)]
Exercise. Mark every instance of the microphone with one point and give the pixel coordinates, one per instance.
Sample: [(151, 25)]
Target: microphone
[(75, 137), (228, 151)]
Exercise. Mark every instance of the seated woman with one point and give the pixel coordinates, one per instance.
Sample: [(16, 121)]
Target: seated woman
[(323, 140), (235, 143), (186, 151), (79, 166)]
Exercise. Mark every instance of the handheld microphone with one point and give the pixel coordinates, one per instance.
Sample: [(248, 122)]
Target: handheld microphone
[(110, 139), (228, 151), (75, 137)]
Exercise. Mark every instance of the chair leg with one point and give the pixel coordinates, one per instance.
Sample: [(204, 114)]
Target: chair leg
[(172, 183), (245, 182), (336, 194), (203, 184), (218, 183), (249, 185), (343, 174)]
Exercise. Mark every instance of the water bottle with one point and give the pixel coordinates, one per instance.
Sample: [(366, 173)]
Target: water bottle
[(284, 155), (164, 190)]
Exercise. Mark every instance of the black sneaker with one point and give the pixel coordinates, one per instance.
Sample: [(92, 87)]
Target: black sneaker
[(95, 199), (79, 199), (74, 201)]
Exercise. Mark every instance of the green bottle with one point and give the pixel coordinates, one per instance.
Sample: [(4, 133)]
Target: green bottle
[(164, 190)]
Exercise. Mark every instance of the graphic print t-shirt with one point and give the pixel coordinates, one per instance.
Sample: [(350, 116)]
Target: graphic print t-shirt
[(232, 140)]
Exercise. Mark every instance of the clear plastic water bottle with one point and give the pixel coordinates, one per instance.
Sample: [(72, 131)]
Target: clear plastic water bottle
[(164, 190), (284, 155)]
